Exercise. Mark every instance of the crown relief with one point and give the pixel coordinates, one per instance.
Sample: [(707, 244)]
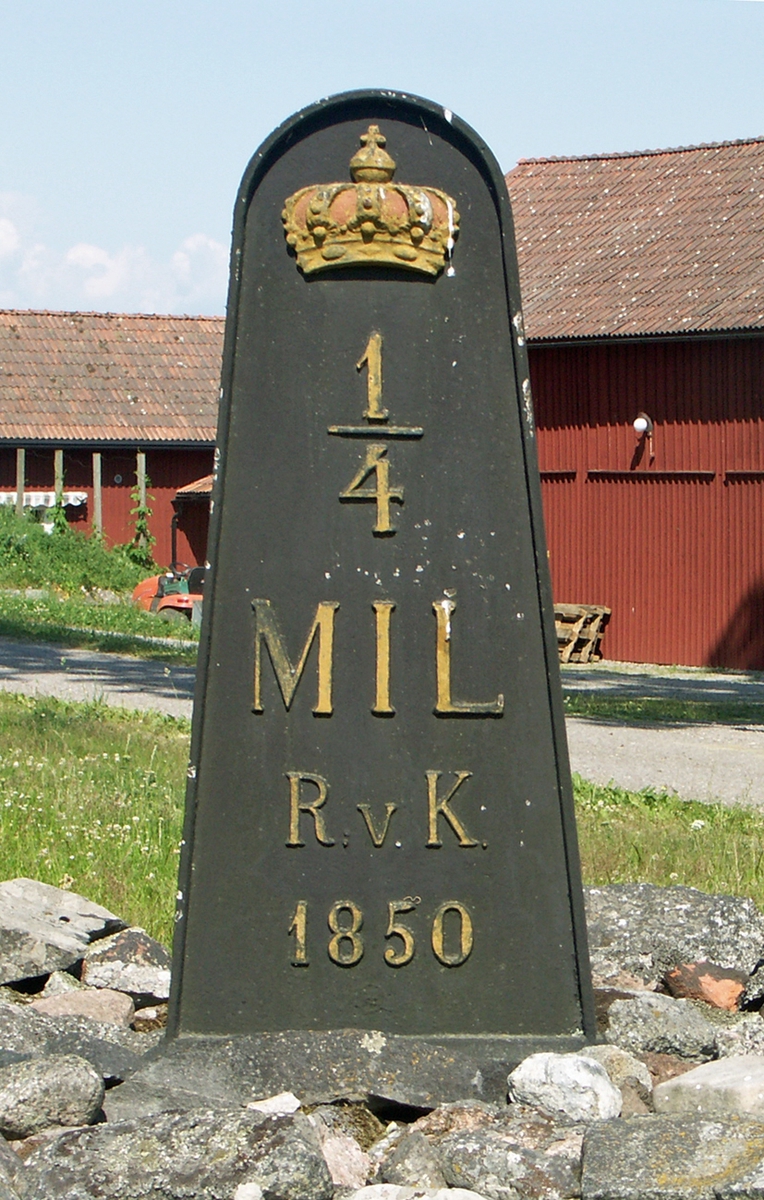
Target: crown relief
[(372, 221)]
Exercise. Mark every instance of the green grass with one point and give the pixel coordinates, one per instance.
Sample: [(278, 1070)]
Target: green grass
[(80, 621), (91, 799), (649, 710), (628, 837)]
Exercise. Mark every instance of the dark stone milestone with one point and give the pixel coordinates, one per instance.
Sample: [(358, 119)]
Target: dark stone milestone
[(380, 832)]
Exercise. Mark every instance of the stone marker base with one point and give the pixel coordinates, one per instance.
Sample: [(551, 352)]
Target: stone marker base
[(419, 1072)]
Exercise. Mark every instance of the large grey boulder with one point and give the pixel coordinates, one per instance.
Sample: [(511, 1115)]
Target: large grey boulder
[(180, 1156), (571, 1084), (41, 1092), (646, 930), (492, 1163), (45, 929), (131, 961), (653, 1022), (726, 1087), (114, 1052), (670, 1158)]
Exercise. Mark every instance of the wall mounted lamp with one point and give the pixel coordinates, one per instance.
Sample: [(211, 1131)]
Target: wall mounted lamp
[(643, 427)]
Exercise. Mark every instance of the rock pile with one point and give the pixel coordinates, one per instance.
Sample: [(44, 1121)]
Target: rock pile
[(669, 1104)]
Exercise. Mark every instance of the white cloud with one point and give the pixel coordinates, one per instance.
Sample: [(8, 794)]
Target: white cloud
[(127, 279), (9, 237)]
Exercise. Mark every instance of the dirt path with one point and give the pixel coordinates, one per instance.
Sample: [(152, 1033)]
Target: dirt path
[(698, 762)]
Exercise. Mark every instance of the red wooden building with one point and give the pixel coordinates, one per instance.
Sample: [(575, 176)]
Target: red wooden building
[(101, 407), (643, 293)]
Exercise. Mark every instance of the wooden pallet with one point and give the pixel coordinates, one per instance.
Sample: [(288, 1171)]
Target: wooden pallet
[(579, 631)]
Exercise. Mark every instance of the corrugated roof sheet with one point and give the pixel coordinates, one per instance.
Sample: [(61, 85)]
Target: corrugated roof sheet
[(660, 242), (102, 377)]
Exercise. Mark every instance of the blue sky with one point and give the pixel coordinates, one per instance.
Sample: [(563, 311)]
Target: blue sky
[(126, 126)]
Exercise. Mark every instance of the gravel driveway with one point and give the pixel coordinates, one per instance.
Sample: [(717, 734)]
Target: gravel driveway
[(698, 762)]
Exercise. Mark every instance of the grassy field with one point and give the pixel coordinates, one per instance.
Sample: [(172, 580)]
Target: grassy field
[(91, 798), (647, 710), (81, 621)]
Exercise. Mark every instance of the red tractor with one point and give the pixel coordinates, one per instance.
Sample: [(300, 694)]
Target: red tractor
[(173, 594)]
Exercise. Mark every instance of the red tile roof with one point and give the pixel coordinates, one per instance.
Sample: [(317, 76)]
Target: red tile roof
[(95, 377), (199, 487), (660, 242)]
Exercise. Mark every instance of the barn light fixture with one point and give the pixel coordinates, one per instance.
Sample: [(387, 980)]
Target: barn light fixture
[(643, 427)]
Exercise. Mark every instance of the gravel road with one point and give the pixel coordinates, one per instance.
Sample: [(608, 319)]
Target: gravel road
[(698, 762)]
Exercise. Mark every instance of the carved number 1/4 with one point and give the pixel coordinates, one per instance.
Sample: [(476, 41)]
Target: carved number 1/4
[(346, 945)]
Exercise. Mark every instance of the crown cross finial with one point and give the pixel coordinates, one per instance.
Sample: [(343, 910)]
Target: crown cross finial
[(372, 164), (371, 221)]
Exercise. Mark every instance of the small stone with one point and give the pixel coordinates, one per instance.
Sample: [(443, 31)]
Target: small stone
[(348, 1164), (566, 1083), (351, 1119), (414, 1162), (45, 929), (623, 1069), (746, 1036), (285, 1102), (754, 990), (392, 1191), (723, 1088), (660, 1023), (38, 1093), (721, 987), (60, 983), (665, 1066), (669, 1157), (115, 1008), (131, 962), (453, 1118), (151, 1018), (632, 1103)]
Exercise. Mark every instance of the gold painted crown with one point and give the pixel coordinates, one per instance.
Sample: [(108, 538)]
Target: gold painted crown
[(371, 221)]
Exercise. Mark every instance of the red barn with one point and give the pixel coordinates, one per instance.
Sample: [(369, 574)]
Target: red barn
[(643, 292), (101, 408)]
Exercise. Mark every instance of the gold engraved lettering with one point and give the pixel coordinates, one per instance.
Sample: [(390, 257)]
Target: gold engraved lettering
[(299, 928), (466, 939), (445, 705), (347, 933), (442, 807), (377, 835), (372, 360), (396, 929), (375, 462), (383, 610), (267, 630), (296, 778)]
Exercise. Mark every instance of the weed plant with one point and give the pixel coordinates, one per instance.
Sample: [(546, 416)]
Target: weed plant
[(65, 558)]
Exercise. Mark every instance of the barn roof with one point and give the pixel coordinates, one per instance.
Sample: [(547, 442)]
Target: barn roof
[(666, 241), (106, 378)]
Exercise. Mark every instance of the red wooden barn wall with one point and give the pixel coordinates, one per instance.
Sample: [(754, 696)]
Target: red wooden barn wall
[(167, 470), (675, 546)]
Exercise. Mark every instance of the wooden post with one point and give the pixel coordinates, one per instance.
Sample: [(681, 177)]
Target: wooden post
[(58, 471), (21, 455), (140, 472), (97, 494)]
